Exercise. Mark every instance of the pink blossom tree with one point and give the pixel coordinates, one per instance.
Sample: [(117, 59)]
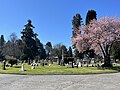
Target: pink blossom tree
[(98, 35)]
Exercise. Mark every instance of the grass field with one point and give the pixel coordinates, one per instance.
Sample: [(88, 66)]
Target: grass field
[(55, 69)]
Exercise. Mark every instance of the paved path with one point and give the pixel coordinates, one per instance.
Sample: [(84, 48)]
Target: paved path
[(60, 82)]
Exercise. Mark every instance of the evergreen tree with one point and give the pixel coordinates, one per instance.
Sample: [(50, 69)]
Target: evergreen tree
[(41, 51), (30, 49), (78, 55), (48, 47), (2, 57), (70, 52), (76, 22), (2, 42), (116, 50), (65, 51), (91, 14)]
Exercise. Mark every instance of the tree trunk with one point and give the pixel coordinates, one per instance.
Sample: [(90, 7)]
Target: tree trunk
[(107, 62)]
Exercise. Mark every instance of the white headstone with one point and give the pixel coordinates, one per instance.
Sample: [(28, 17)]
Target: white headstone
[(22, 67), (33, 67), (49, 64), (79, 64)]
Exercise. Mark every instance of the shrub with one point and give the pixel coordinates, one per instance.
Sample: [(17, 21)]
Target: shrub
[(67, 59), (11, 60), (70, 59)]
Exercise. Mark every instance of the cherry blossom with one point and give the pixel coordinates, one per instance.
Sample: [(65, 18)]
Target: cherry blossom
[(98, 35)]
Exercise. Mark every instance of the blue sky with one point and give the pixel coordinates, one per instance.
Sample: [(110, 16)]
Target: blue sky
[(51, 18)]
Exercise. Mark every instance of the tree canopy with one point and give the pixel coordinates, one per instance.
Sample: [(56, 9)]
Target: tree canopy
[(48, 48), (99, 35), (30, 49), (91, 14)]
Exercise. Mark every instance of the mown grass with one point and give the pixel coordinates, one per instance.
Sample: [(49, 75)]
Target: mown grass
[(54, 69)]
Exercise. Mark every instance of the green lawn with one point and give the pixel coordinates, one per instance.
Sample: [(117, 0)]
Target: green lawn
[(54, 69)]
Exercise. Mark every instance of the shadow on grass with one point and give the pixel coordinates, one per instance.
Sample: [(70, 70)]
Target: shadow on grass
[(17, 66), (117, 68)]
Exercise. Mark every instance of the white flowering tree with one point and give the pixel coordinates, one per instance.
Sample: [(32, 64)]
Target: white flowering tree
[(98, 35)]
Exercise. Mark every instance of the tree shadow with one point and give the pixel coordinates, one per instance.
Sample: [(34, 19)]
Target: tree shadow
[(17, 66), (117, 68)]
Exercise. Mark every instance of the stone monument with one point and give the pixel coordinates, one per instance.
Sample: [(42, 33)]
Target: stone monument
[(3, 65), (22, 67)]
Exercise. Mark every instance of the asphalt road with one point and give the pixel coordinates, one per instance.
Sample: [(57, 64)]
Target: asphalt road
[(60, 82)]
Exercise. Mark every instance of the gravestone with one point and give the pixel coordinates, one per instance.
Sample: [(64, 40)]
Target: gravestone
[(51, 60), (29, 61), (75, 65), (32, 66), (45, 62), (79, 64), (49, 64), (22, 67), (58, 61), (37, 64), (70, 64), (42, 62), (3, 65), (62, 61)]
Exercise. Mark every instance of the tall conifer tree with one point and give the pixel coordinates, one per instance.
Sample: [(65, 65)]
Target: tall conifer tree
[(91, 14), (28, 36)]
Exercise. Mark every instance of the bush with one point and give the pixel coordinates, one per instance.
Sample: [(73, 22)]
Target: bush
[(11, 60), (70, 59), (67, 59)]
